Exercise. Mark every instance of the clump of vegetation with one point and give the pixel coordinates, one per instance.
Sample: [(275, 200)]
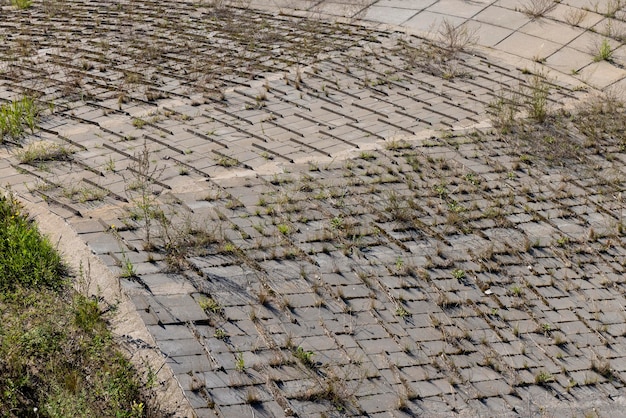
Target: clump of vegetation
[(306, 357), (209, 305), (538, 8), (57, 357), (543, 378), (43, 151), (16, 117), (27, 259), (605, 53), (21, 4)]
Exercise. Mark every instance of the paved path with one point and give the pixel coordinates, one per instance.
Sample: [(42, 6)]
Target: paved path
[(333, 224), (564, 36)]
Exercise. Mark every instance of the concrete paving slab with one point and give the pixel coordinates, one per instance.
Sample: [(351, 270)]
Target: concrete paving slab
[(569, 60), (529, 47), (502, 17), (458, 8), (556, 32), (428, 22), (602, 74), (389, 15)]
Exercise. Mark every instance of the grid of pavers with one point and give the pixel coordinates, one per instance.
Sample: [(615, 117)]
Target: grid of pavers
[(564, 36), (364, 250)]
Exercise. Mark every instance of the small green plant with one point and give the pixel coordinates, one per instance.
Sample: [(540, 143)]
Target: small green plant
[(472, 179), (336, 222), (306, 357), (229, 248), (517, 290), (227, 162), (16, 116), (543, 377), (537, 101), (240, 364), (441, 190), (605, 53), (141, 191), (283, 229), (458, 274), (367, 156), (209, 305), (22, 4), (220, 334), (128, 268), (402, 312), (42, 151), (399, 263), (139, 123), (562, 241), (110, 165), (397, 145)]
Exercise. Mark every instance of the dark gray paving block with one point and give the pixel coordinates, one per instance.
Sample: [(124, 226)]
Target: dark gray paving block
[(189, 364), (170, 332), (186, 347), (199, 402), (101, 243), (205, 412)]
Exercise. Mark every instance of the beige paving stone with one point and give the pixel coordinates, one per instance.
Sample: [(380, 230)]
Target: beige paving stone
[(602, 74), (529, 47)]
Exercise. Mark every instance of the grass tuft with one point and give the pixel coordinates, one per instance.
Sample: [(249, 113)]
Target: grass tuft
[(26, 257), (16, 117)]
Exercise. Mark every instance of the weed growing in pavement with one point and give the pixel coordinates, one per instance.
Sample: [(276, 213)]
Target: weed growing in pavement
[(42, 151), (602, 119), (402, 312), (16, 117), (612, 7), (602, 367), (209, 305), (440, 58), (142, 192), (575, 16), (605, 53), (538, 8), (128, 268), (543, 378), (458, 274), (455, 39), (227, 162), (537, 101), (305, 357), (240, 364), (503, 111), (22, 4)]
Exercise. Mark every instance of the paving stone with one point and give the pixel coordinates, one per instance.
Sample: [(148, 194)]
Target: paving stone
[(186, 364)]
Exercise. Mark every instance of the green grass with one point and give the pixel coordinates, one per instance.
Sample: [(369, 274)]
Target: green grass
[(57, 357), (16, 116), (42, 151), (604, 52), (22, 4), (27, 259)]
